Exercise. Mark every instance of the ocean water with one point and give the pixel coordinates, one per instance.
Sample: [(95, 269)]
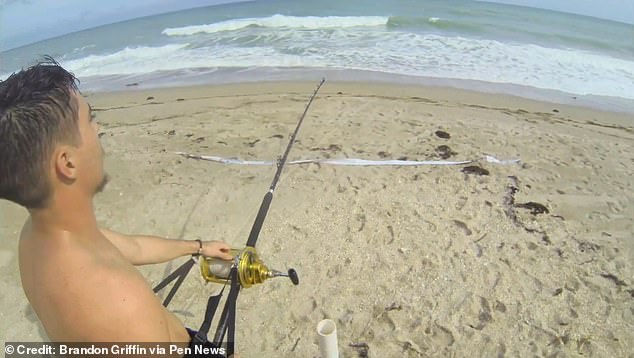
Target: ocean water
[(485, 46)]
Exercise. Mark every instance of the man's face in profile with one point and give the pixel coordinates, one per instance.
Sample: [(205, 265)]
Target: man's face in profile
[(90, 148)]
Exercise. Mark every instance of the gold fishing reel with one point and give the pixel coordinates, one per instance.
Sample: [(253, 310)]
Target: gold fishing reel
[(251, 269)]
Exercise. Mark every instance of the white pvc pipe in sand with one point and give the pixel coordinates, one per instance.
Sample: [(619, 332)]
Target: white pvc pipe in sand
[(327, 331)]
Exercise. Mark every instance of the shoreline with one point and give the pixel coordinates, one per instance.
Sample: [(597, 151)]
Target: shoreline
[(600, 117), (252, 76)]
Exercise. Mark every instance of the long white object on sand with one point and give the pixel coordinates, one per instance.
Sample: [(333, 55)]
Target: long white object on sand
[(347, 161)]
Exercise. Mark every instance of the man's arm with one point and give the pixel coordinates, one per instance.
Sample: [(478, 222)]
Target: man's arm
[(143, 250)]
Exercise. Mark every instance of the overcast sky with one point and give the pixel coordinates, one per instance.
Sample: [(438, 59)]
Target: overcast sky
[(27, 21)]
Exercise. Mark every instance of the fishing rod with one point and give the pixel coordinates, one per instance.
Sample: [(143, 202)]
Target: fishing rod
[(245, 270), (266, 202)]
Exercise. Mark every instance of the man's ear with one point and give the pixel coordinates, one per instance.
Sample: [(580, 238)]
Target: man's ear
[(66, 163)]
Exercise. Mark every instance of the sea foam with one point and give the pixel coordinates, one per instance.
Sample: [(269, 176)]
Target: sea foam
[(280, 21), (374, 49)]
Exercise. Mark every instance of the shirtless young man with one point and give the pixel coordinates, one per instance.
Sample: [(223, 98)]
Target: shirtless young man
[(80, 279)]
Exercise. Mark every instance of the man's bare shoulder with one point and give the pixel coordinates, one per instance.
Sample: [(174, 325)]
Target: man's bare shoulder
[(96, 295), (111, 304)]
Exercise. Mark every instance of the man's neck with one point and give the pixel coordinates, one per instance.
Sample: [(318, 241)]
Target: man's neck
[(75, 216)]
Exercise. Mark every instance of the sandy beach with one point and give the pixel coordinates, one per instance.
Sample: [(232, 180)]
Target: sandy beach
[(526, 259)]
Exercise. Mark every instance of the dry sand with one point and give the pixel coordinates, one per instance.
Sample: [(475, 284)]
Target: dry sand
[(411, 261)]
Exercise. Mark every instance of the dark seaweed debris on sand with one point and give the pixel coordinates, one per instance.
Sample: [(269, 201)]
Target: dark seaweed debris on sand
[(474, 169), (444, 151), (535, 208), (332, 147), (253, 143), (509, 199), (361, 348), (617, 281), (443, 134), (509, 209)]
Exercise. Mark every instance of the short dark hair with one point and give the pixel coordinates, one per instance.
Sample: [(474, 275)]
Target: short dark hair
[(37, 111)]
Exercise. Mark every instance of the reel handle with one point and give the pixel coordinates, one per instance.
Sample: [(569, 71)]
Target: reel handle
[(292, 275)]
